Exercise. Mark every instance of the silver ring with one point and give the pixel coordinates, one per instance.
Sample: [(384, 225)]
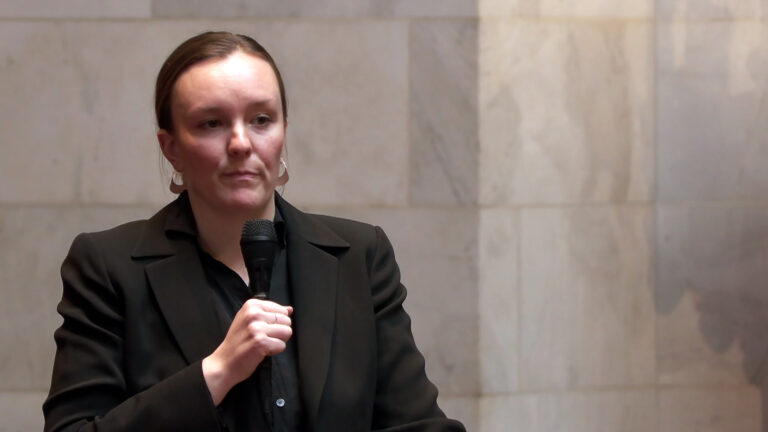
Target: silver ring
[(275, 317)]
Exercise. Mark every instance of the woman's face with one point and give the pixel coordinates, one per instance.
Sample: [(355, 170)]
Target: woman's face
[(228, 133)]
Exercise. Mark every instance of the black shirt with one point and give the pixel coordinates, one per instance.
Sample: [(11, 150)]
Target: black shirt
[(270, 398)]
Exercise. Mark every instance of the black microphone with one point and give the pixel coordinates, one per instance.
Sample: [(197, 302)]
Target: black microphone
[(259, 246)]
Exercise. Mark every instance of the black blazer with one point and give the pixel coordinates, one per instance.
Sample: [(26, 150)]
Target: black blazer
[(138, 319)]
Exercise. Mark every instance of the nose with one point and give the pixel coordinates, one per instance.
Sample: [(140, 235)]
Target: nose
[(239, 144)]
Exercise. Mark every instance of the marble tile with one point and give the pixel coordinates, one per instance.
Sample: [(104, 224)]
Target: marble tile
[(499, 300), (710, 410), (712, 306), (39, 144), (566, 112), (347, 84), (698, 9), (586, 298), (85, 124), (75, 9), (426, 8), (604, 411), (317, 8), (29, 280), (443, 112), (565, 8), (463, 409), (21, 411), (711, 110), (442, 302)]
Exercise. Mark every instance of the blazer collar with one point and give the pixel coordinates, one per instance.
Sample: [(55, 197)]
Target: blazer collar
[(177, 279)]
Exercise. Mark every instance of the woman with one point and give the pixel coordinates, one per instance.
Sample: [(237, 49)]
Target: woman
[(160, 329)]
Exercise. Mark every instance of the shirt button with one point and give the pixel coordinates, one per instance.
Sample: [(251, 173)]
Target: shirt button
[(280, 402)]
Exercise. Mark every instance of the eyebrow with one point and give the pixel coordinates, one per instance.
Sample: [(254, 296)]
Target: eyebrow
[(216, 108)]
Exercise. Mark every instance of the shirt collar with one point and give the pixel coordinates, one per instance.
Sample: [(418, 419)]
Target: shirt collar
[(183, 221)]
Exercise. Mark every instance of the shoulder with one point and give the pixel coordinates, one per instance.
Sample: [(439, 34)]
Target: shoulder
[(325, 230), (348, 229), (118, 235), (365, 240), (123, 239)]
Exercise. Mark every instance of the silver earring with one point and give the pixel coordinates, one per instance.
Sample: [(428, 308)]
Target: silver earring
[(177, 183), (282, 177)]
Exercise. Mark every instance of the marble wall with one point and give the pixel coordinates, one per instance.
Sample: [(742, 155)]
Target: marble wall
[(623, 230), (575, 190)]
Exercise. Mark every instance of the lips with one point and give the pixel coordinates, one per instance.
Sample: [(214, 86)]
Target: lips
[(241, 175)]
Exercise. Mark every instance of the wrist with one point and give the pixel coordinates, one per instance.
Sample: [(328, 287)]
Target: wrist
[(215, 377)]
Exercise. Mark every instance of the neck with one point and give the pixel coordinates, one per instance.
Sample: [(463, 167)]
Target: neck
[(219, 231)]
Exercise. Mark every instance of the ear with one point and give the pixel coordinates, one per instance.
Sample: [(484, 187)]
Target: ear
[(170, 149)]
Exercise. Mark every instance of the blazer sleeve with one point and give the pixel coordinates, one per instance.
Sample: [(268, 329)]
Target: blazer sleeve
[(88, 387), (405, 398)]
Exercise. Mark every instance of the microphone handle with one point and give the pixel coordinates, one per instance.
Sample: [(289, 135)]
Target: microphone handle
[(260, 283)]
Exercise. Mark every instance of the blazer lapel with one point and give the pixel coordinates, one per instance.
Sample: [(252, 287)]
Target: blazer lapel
[(179, 284), (313, 272)]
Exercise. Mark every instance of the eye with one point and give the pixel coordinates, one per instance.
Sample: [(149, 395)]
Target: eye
[(262, 120), (210, 124)]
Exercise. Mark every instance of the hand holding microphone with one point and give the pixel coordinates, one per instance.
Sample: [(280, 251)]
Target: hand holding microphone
[(261, 327)]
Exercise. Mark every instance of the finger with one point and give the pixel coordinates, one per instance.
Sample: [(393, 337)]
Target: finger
[(274, 346), (268, 338), (271, 318), (279, 331), (269, 306)]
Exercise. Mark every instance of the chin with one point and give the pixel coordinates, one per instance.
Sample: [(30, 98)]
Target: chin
[(250, 200)]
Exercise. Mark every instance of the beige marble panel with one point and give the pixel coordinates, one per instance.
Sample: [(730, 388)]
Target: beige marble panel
[(566, 112), (75, 9), (499, 300), (442, 302), (83, 126), (436, 252), (348, 110), (36, 240), (316, 8), (426, 8), (443, 112), (710, 410), (596, 411), (463, 409), (703, 9), (566, 8), (711, 110), (712, 305), (42, 126), (21, 411), (586, 298)]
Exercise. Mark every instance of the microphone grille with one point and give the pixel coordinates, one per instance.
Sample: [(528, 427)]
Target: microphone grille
[(259, 229)]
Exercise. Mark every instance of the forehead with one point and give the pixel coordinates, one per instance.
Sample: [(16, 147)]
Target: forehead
[(235, 77)]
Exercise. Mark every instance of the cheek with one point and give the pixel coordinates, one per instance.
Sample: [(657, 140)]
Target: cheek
[(200, 161), (272, 149)]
